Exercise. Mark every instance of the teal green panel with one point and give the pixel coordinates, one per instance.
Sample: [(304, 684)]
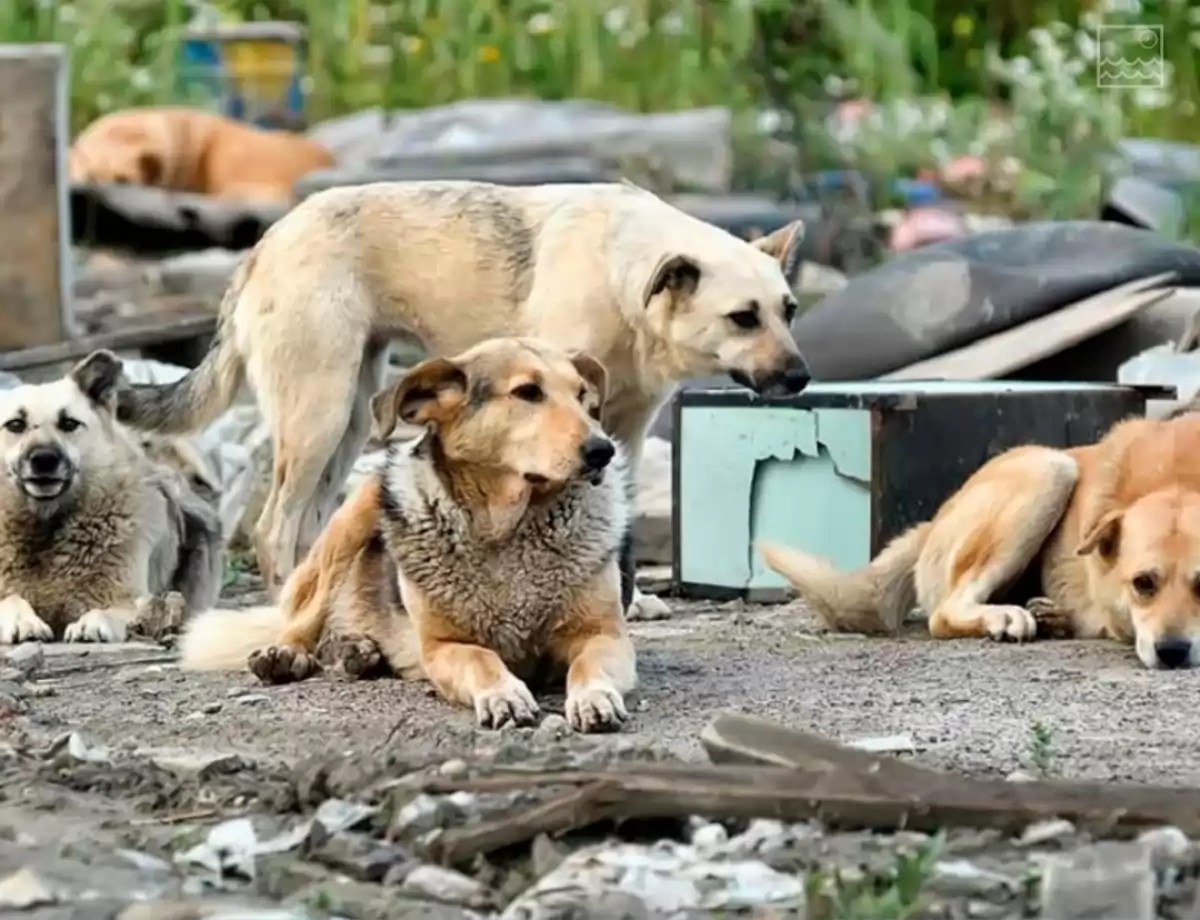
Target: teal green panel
[(797, 476)]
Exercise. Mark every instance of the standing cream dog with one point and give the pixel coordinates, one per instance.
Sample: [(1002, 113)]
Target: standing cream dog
[(654, 294)]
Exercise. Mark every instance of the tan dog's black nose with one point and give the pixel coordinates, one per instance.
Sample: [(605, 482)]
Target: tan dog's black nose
[(45, 461), (597, 453), (1173, 652)]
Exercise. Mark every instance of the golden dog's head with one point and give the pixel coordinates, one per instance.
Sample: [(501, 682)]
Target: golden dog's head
[(722, 306), (1146, 560), (56, 434), (118, 149), (508, 406)]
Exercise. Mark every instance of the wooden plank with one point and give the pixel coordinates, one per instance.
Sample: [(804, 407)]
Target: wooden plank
[(35, 263), (146, 333), (1020, 346)]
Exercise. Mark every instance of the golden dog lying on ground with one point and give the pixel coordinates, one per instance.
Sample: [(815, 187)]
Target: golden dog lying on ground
[(1108, 533), (654, 294), (500, 525), (89, 525), (190, 150)]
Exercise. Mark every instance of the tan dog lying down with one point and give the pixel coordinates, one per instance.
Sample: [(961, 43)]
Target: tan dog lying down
[(190, 150), (1110, 534), (501, 526)]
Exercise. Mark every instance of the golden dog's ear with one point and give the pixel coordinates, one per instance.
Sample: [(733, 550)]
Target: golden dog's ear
[(150, 168), (427, 394), (676, 273), (97, 377), (594, 374), (1104, 537), (784, 245)]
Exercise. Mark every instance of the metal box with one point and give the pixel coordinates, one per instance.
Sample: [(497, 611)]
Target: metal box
[(842, 468)]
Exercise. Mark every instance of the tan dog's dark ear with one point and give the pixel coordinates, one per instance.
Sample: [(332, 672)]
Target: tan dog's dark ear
[(678, 274), (594, 374), (427, 394), (150, 168), (784, 245), (1103, 538), (97, 377)]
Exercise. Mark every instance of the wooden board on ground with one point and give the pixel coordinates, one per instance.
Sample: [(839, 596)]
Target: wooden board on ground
[(1012, 349), (35, 264)]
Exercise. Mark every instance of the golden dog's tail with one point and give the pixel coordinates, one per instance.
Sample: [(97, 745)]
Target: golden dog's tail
[(873, 600), (222, 640), (197, 398)]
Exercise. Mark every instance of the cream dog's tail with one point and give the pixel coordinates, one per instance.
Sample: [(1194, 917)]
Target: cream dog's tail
[(873, 600), (222, 640)]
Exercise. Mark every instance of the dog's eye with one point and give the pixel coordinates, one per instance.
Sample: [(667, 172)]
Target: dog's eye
[(789, 310), (1145, 584), (529, 392), (745, 319), (66, 424), (16, 425)]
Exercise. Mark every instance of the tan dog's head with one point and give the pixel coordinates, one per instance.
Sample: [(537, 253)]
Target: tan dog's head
[(55, 434), (507, 406), (727, 307), (1146, 558)]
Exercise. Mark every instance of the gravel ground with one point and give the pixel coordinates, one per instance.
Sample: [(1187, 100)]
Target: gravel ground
[(1076, 710)]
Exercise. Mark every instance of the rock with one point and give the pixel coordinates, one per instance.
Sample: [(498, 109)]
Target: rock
[(1107, 879), (28, 658), (24, 890), (359, 856), (423, 813), (445, 885), (545, 855), (1168, 846), (962, 878), (552, 727), (1054, 829), (708, 836)]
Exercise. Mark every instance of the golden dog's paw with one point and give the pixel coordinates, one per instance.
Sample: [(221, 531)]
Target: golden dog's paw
[(511, 703), (1009, 624), (282, 664), (355, 657), (1053, 622), (19, 623), (97, 626), (596, 709)]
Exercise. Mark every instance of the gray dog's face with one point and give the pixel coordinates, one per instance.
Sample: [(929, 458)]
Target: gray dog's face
[(53, 433)]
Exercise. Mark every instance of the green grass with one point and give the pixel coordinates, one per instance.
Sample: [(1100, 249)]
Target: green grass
[(659, 55)]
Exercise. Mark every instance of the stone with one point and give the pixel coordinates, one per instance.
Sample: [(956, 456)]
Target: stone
[(28, 658), (1107, 879), (24, 890), (358, 856), (545, 855), (1168, 846), (1055, 829), (445, 885)]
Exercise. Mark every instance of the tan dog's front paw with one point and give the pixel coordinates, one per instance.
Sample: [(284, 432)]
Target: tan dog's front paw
[(511, 702), (1011, 623), (282, 664), (598, 708), (97, 626), (19, 622), (355, 657)]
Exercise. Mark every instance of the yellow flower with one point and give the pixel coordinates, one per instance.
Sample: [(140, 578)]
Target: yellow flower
[(963, 26), (489, 54), (412, 44)]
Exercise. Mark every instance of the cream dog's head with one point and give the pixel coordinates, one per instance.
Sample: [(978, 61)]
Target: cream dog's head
[(719, 305)]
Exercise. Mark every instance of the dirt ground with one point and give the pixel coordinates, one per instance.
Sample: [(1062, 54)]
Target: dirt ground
[(1085, 710), (1074, 710)]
